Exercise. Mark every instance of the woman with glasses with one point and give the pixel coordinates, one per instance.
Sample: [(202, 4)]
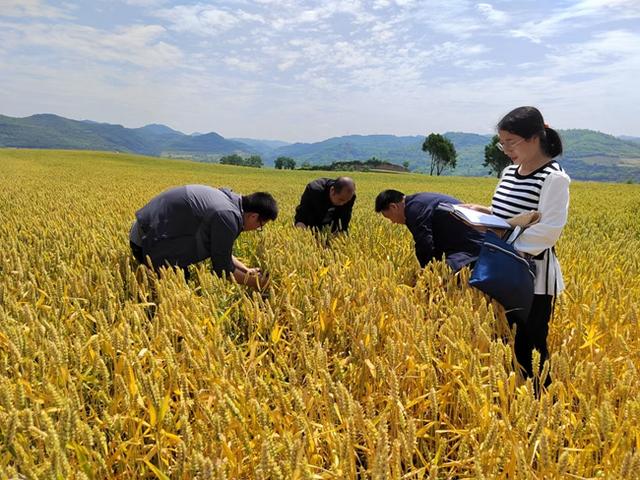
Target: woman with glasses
[(535, 181)]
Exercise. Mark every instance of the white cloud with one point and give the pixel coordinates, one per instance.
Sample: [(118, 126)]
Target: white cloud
[(627, 7), (355, 66), (145, 3), (380, 4), (243, 65), (406, 3), (454, 17), (287, 60), (583, 14), (476, 65), (137, 45), (491, 14), (279, 15), (249, 17), (606, 54), (198, 19), (30, 8)]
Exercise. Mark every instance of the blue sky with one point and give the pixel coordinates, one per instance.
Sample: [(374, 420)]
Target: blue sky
[(307, 70)]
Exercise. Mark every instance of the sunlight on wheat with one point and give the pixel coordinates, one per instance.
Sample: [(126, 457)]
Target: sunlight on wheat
[(356, 365)]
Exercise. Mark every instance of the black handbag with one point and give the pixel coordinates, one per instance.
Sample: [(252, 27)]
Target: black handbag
[(503, 274)]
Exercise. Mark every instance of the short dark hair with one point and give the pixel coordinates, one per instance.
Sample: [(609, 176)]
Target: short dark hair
[(527, 122), (261, 203), (387, 197), (343, 182)]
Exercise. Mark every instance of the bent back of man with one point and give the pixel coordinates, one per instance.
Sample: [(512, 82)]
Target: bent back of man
[(188, 224), (436, 233), (326, 202), (176, 225)]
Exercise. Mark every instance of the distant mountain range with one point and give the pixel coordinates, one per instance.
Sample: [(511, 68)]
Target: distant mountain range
[(52, 131), (588, 154), (630, 139)]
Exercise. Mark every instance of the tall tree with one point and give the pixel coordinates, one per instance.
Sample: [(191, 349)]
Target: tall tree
[(285, 163), (443, 153), (254, 161), (494, 158), (449, 158), (233, 159)]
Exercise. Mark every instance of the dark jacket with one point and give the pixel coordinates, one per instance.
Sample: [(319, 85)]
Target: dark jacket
[(188, 224), (316, 210), (437, 232)]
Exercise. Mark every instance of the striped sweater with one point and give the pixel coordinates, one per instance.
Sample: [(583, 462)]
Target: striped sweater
[(547, 191), (520, 193)]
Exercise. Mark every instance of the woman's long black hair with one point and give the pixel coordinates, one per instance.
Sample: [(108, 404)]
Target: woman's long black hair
[(527, 122)]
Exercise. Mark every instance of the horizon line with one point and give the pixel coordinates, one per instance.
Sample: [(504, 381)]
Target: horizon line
[(232, 137)]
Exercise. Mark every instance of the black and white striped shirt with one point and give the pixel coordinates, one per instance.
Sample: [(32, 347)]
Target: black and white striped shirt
[(520, 193), (547, 191)]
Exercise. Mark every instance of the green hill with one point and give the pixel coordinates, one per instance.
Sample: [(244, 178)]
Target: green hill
[(55, 132), (588, 154), (591, 155), (629, 138), (52, 131), (588, 143), (470, 148), (354, 147), (263, 147)]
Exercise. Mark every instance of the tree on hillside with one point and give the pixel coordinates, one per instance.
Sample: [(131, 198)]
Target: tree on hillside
[(443, 153), (494, 158), (285, 163), (233, 159), (254, 161)]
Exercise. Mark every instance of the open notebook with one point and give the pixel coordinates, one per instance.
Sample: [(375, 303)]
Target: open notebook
[(473, 217)]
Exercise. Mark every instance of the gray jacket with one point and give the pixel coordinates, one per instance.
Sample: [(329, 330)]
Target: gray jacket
[(188, 224)]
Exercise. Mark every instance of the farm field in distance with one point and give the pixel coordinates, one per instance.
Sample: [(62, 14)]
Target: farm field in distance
[(356, 365)]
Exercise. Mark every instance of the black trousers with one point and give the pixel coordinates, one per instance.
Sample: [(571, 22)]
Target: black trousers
[(139, 255), (533, 334)]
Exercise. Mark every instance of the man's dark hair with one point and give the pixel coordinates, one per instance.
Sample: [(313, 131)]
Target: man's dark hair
[(343, 182), (261, 203), (387, 197)]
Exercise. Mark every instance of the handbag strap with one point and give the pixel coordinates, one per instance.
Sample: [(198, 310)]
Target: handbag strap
[(515, 234), (552, 251)]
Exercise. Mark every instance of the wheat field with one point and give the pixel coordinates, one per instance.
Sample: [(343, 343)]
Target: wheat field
[(357, 364)]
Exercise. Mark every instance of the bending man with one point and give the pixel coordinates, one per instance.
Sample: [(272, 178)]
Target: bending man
[(327, 202), (436, 232), (188, 224)]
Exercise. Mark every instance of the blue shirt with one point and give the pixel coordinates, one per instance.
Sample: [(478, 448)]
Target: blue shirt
[(438, 233)]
